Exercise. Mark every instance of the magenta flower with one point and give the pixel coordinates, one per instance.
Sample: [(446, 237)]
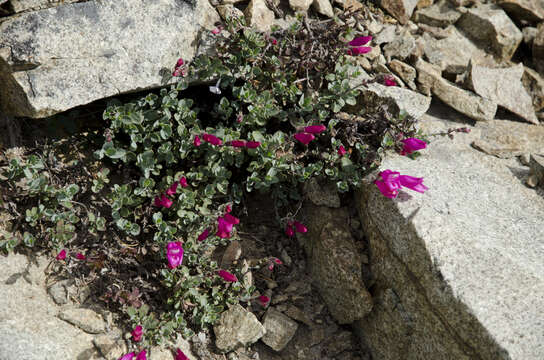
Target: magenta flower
[(209, 138), (180, 355), (141, 355), (203, 235), (231, 219), (179, 63), (172, 189), (304, 138), (411, 145), (359, 50), (289, 231), (163, 201), (80, 256), (361, 40), (174, 254), (264, 300), (61, 255), (179, 72), (183, 182), (228, 209), (273, 41), (252, 144), (413, 183), (300, 227), (216, 31), (390, 185), (196, 141), (227, 276), (389, 81), (128, 356), (237, 143), (137, 333), (271, 266), (277, 261), (341, 150), (315, 129), (224, 228)]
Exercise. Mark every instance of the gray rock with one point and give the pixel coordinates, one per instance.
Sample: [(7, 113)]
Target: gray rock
[(29, 327), (280, 329), (491, 28), (534, 84), (232, 253), (490, 84), (259, 15), (529, 34), (296, 314), (237, 327), (458, 270), (388, 34), (55, 59), (536, 175), (26, 5), (401, 47), (464, 101), (525, 159), (323, 193), (85, 319), (441, 14), (335, 263), (300, 5), (406, 72), (538, 50), (507, 139), (523, 10), (110, 346), (340, 342), (323, 7), (59, 292), (229, 11), (400, 9)]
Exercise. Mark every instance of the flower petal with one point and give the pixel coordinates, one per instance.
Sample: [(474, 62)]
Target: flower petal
[(203, 235), (61, 255), (299, 227), (315, 129), (413, 144), (253, 144), (361, 40), (227, 276), (196, 141), (304, 137), (183, 182), (264, 300), (341, 150), (180, 355)]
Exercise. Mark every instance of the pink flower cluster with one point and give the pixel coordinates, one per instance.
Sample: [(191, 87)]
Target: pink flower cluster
[(393, 181), (293, 226), (180, 69), (273, 261), (163, 201), (214, 140), (142, 355), (174, 254), (389, 81), (307, 135), (412, 144), (62, 255), (356, 45), (225, 224)]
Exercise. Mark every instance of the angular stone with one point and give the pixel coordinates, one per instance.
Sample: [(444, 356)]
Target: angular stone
[(422, 4), (259, 15), (85, 319), (453, 53), (529, 34), (506, 139), (534, 84), (536, 175), (323, 7), (110, 346), (322, 193), (300, 5), (237, 327), (386, 35), (441, 14), (232, 253), (458, 270), (335, 263), (523, 10), (401, 47), (489, 26), (400, 9), (55, 59), (229, 11), (25, 5), (406, 72), (59, 292), (280, 329), (503, 86), (538, 50), (466, 102)]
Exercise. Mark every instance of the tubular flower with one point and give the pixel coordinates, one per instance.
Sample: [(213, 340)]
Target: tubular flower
[(61, 255), (179, 63), (227, 276), (413, 183), (411, 145), (196, 141), (299, 227), (137, 333), (389, 81), (304, 137), (231, 219), (163, 201), (392, 182), (180, 355), (212, 139), (183, 182), (361, 40), (203, 235), (80, 256), (228, 209), (289, 231), (142, 355), (253, 144), (359, 50), (264, 300), (172, 189), (224, 228), (315, 129), (341, 150), (128, 356), (174, 254), (217, 30), (237, 143)]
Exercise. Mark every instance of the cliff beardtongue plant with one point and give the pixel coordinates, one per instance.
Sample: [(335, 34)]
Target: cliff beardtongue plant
[(392, 182)]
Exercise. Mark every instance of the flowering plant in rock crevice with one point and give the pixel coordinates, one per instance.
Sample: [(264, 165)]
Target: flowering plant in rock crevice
[(187, 156)]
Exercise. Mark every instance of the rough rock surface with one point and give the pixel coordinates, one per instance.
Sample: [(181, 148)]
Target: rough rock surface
[(406, 72), (464, 101), (536, 176), (401, 47), (300, 5), (538, 50), (458, 269), (534, 84), (335, 263), (56, 59), (400, 9), (259, 15), (237, 327), (523, 10), (24, 5), (29, 328), (85, 319), (503, 86), (229, 11), (412, 102), (440, 14), (323, 7), (322, 193), (489, 26), (280, 329)]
